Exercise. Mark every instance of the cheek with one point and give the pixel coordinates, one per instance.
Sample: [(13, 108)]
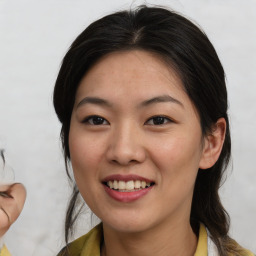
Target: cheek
[(178, 158), (84, 149), (84, 159), (83, 152), (176, 150)]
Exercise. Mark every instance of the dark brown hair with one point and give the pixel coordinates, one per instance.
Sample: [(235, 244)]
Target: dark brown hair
[(188, 50)]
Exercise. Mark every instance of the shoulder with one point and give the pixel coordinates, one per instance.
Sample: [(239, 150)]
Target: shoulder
[(206, 246), (88, 244)]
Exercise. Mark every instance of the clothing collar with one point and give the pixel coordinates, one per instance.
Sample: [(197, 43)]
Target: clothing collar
[(90, 243), (205, 245)]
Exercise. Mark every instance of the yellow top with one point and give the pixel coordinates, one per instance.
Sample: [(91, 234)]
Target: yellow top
[(201, 249), (90, 243), (4, 251)]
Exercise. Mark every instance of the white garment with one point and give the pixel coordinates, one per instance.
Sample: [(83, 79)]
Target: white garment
[(212, 248)]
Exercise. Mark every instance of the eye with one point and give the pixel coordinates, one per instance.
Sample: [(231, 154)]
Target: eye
[(95, 120), (158, 120)]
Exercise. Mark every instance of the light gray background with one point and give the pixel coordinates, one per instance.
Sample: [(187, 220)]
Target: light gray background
[(34, 35)]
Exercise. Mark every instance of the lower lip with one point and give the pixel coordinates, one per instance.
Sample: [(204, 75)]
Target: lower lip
[(126, 197)]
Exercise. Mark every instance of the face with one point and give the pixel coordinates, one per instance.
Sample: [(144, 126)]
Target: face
[(135, 142)]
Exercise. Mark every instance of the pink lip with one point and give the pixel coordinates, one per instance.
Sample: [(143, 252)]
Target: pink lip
[(126, 197), (125, 178)]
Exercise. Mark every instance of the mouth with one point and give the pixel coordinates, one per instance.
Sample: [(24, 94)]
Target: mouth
[(128, 186)]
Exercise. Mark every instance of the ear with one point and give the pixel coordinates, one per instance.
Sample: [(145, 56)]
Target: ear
[(213, 144)]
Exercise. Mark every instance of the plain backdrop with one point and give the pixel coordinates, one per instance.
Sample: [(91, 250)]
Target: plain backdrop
[(34, 36)]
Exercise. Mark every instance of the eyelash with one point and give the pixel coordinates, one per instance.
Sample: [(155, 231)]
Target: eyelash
[(91, 118), (160, 118), (102, 121)]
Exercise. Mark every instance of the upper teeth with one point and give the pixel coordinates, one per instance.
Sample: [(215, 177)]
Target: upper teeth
[(129, 185)]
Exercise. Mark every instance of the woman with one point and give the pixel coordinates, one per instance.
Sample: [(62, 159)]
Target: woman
[(142, 100)]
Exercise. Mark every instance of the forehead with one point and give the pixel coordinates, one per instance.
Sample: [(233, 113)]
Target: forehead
[(131, 70), (127, 79)]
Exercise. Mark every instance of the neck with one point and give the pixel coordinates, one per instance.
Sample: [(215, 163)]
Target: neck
[(177, 239)]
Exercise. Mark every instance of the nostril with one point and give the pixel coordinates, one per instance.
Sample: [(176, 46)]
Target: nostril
[(123, 161)]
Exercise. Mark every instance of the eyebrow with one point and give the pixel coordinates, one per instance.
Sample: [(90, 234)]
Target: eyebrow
[(102, 102), (160, 99), (93, 100)]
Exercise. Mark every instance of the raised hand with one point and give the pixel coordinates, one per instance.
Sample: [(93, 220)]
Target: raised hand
[(12, 199)]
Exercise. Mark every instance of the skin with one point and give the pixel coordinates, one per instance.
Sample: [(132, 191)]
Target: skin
[(127, 141), (12, 200)]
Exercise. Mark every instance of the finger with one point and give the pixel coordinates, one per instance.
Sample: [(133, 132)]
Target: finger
[(4, 188), (18, 192), (14, 204), (4, 222), (4, 194)]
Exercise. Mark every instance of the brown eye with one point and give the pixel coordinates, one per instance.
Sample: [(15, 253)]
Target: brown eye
[(95, 120), (158, 120)]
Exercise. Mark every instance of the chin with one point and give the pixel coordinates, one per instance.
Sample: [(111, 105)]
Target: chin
[(128, 225)]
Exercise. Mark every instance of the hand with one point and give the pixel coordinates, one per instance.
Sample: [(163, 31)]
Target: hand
[(12, 199)]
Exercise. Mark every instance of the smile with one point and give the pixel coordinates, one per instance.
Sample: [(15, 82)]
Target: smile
[(128, 186)]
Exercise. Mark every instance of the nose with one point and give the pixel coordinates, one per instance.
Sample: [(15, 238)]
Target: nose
[(126, 146)]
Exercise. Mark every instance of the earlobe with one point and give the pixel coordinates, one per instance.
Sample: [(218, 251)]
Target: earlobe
[(213, 144)]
